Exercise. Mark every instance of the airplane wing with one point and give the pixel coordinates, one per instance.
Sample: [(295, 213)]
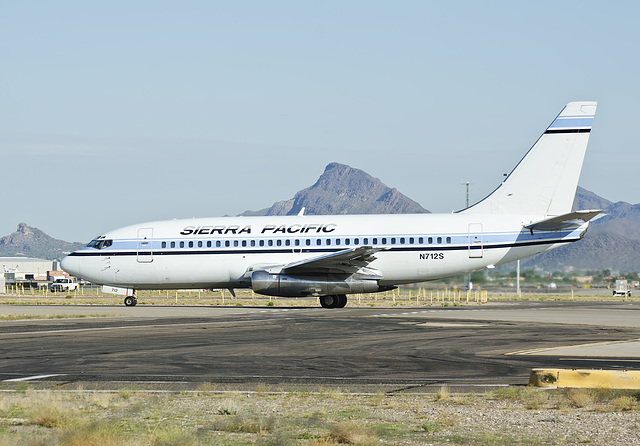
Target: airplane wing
[(350, 260), (565, 221)]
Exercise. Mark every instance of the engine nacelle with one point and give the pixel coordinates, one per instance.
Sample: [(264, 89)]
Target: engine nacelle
[(283, 285)]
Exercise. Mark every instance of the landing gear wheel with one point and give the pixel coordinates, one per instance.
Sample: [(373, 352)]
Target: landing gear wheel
[(130, 301), (342, 300), (330, 301)]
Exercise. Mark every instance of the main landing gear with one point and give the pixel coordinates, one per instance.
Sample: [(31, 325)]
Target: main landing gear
[(130, 301), (333, 301)]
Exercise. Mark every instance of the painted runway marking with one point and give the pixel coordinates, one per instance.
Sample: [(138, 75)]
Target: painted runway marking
[(31, 378)]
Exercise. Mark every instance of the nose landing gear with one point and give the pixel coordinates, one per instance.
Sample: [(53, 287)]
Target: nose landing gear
[(130, 301)]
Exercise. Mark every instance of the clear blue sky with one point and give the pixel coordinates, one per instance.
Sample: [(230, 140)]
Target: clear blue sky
[(114, 113)]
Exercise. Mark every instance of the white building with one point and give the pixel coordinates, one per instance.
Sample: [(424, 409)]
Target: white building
[(25, 268)]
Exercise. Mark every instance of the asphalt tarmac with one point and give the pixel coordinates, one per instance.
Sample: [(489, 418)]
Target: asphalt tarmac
[(355, 349)]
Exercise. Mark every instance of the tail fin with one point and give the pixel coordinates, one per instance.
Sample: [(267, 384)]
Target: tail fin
[(544, 182)]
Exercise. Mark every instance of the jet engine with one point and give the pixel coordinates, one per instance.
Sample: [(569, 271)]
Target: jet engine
[(283, 285)]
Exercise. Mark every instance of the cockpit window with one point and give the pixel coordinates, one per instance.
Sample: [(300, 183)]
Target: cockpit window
[(100, 243)]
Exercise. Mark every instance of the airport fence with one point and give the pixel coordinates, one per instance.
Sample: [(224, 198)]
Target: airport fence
[(398, 297)]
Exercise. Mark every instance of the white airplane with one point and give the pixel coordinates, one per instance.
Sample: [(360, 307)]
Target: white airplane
[(330, 256)]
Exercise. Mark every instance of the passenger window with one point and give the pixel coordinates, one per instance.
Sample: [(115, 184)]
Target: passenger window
[(227, 243), (318, 242), (420, 240), (308, 242), (173, 244), (164, 244), (365, 241), (375, 240), (279, 242), (182, 244), (261, 242), (297, 242), (218, 243), (337, 241), (253, 243), (270, 242), (384, 240), (287, 242), (208, 243), (402, 240), (393, 240), (235, 243), (199, 244), (430, 240), (347, 241), (244, 243), (448, 239), (439, 240), (411, 240), (356, 241), (328, 242)]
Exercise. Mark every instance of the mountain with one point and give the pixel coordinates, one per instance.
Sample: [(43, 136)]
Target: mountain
[(612, 241), (32, 242), (586, 199), (596, 251), (344, 190)]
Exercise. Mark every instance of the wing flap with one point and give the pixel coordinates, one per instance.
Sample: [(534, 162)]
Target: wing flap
[(348, 261)]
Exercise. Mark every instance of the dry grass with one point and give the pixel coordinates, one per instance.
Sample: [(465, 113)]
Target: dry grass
[(442, 394), (623, 403), (313, 418), (352, 432), (580, 397)]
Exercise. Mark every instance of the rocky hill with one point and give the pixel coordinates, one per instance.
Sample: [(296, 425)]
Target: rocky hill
[(612, 241), (344, 190), (32, 242), (596, 251)]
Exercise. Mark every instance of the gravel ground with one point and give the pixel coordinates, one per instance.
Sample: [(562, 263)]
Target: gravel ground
[(327, 417)]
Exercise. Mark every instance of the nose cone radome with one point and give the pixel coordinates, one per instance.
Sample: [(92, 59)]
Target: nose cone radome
[(71, 265)]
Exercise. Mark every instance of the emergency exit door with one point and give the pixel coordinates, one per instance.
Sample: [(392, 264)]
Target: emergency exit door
[(476, 248)]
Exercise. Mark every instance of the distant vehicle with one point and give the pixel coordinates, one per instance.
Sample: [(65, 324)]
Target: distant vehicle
[(63, 284), (622, 288)]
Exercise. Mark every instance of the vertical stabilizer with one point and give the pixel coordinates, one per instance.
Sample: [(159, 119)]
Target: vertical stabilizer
[(544, 182)]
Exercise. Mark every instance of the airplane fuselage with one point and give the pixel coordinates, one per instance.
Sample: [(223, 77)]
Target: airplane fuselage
[(219, 252)]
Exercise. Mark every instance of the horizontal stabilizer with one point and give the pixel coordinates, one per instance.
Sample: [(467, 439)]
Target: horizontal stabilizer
[(570, 220)]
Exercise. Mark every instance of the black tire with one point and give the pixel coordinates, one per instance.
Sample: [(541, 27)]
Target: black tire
[(342, 300), (330, 301), (130, 301)]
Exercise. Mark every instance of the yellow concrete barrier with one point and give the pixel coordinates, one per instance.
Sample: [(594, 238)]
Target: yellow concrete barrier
[(607, 379)]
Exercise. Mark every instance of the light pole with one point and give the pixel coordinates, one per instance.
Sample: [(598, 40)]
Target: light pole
[(468, 276)]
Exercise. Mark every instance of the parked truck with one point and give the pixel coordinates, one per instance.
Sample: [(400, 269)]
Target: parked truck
[(63, 284), (622, 288)]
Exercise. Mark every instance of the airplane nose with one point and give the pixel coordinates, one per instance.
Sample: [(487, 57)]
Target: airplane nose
[(71, 265)]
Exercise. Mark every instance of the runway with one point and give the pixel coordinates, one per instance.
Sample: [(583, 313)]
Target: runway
[(360, 349)]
